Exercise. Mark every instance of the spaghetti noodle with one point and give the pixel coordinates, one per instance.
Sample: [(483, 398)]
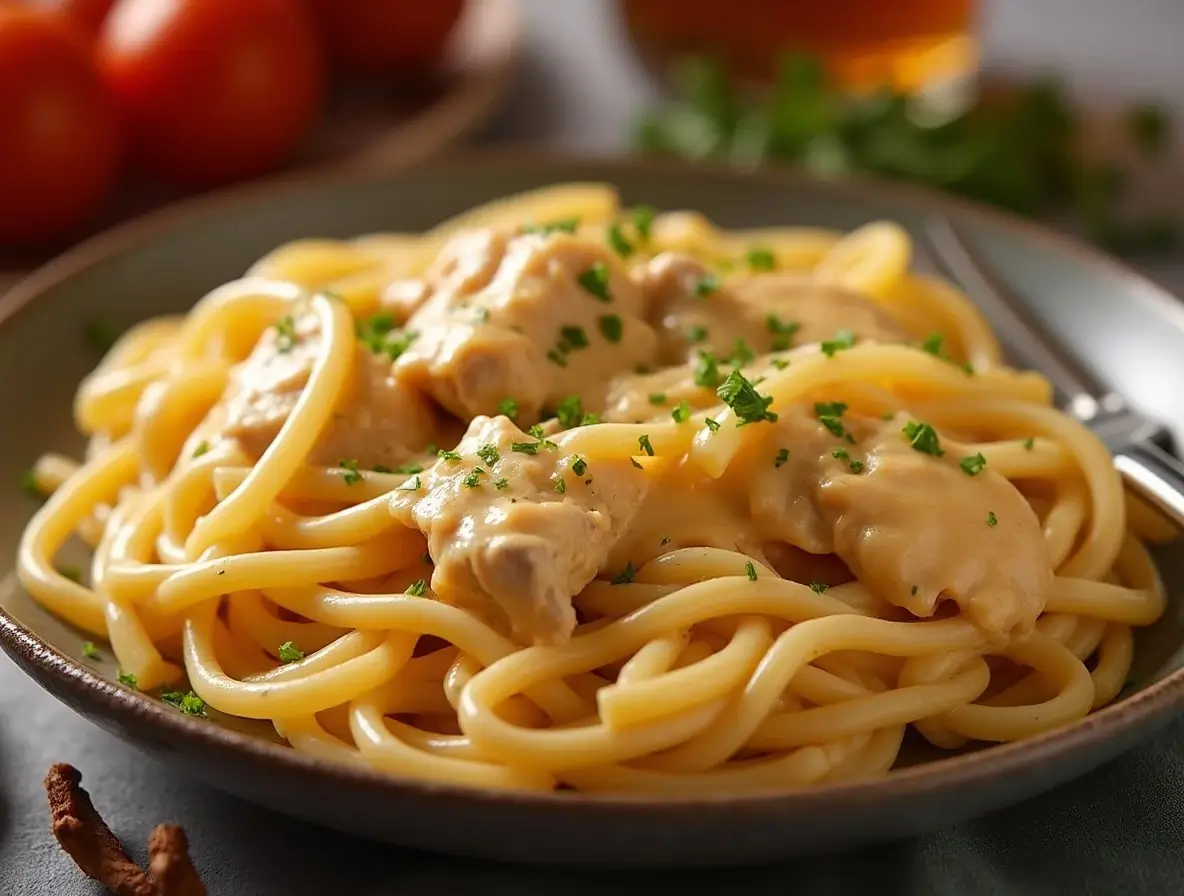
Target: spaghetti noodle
[(715, 511)]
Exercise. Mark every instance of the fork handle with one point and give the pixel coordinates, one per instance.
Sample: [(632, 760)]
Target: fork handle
[(1157, 475)]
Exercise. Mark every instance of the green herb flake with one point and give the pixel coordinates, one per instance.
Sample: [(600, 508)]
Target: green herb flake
[(489, 454), (450, 456), (570, 414), (643, 443), (779, 363), (611, 327), (188, 704), (843, 339), (352, 475), (573, 338), (746, 403), (289, 652), (579, 466), (203, 447), (923, 437), (741, 355), (411, 485), (525, 447), (992, 520), (127, 679), (696, 334), (761, 259), (555, 356), (658, 398), (562, 225), (973, 464), (473, 477), (781, 458), (712, 424), (625, 576), (819, 587), (643, 220), (560, 485), (750, 570), (707, 371), (855, 466), (706, 285), (90, 652), (502, 484), (508, 407), (830, 408), (595, 281), (1029, 444), (418, 588), (682, 413), (285, 334), (409, 469), (616, 239)]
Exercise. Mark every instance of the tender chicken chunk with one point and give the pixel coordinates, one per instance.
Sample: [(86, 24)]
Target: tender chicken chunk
[(914, 525), (378, 421), (516, 528), (693, 310), (557, 317)]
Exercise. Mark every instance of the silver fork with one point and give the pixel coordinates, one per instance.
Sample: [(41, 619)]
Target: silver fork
[(1130, 435)]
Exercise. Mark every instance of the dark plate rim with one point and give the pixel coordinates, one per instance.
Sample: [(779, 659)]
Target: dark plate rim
[(47, 664)]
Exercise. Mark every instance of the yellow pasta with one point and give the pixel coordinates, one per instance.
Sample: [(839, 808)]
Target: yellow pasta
[(705, 649)]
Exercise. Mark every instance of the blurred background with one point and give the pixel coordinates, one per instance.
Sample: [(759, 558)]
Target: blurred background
[(1060, 110)]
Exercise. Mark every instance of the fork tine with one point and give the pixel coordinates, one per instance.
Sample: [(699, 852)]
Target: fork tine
[(1021, 331)]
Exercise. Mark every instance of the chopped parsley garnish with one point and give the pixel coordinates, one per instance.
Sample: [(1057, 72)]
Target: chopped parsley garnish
[(289, 652), (741, 354), (657, 398), (525, 447), (932, 344), (560, 484), (589, 419), (418, 588), (643, 220), (625, 576), (779, 363), (746, 403), (712, 424), (1029, 443), (555, 356), (409, 469), (595, 281), (819, 587), (973, 464), (189, 704), (750, 570), (444, 454), (537, 430), (782, 457), (616, 239), (101, 335), (840, 454), (570, 413), (782, 331), (285, 334), (126, 678), (397, 342), (682, 413), (489, 454), (473, 477), (761, 259), (373, 331), (611, 327), (707, 371), (923, 438), (203, 447), (830, 408), (502, 484), (696, 334), (411, 485), (573, 338), (73, 573), (508, 407), (562, 225), (706, 285), (351, 476), (643, 442), (90, 652), (579, 466), (855, 466), (843, 339), (992, 520)]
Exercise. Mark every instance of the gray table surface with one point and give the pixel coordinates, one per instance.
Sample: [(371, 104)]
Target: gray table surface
[(1113, 832)]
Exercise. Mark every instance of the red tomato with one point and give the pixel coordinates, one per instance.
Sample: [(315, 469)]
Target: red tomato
[(213, 90), (382, 37), (60, 150), (88, 14)]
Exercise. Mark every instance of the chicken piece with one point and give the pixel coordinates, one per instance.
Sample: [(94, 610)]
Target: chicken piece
[(557, 317), (516, 532), (378, 421), (914, 525), (692, 310)]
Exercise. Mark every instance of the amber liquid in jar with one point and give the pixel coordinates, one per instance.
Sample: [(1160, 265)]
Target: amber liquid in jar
[(912, 44)]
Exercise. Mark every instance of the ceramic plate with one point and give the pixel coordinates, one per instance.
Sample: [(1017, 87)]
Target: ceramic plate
[(1129, 330)]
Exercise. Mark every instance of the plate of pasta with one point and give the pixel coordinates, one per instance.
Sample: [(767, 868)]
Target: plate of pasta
[(585, 511)]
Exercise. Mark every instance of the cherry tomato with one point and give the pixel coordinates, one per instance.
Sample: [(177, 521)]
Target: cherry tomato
[(383, 37), (87, 14), (213, 90), (60, 149)]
